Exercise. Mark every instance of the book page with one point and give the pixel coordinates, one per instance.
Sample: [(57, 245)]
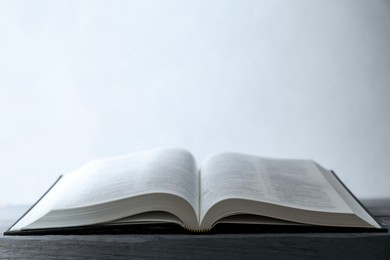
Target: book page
[(292, 183), (171, 171)]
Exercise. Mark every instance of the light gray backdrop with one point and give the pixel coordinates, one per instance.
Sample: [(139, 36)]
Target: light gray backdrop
[(88, 79)]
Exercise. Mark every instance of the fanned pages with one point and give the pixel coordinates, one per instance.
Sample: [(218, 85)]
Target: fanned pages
[(166, 186)]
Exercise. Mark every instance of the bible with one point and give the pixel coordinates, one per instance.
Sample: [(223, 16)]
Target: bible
[(166, 186)]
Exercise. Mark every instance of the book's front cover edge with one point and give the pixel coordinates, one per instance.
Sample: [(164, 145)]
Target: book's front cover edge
[(174, 229), (160, 228), (9, 232), (361, 204)]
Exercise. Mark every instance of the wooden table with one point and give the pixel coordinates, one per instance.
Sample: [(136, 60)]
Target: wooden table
[(215, 246)]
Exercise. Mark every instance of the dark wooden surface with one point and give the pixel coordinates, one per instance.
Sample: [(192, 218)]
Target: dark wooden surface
[(215, 246)]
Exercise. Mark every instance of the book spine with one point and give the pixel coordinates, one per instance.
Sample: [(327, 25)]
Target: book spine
[(196, 230)]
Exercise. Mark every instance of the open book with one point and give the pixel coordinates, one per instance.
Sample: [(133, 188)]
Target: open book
[(167, 186)]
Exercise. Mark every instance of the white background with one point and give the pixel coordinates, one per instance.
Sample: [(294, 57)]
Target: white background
[(88, 79)]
